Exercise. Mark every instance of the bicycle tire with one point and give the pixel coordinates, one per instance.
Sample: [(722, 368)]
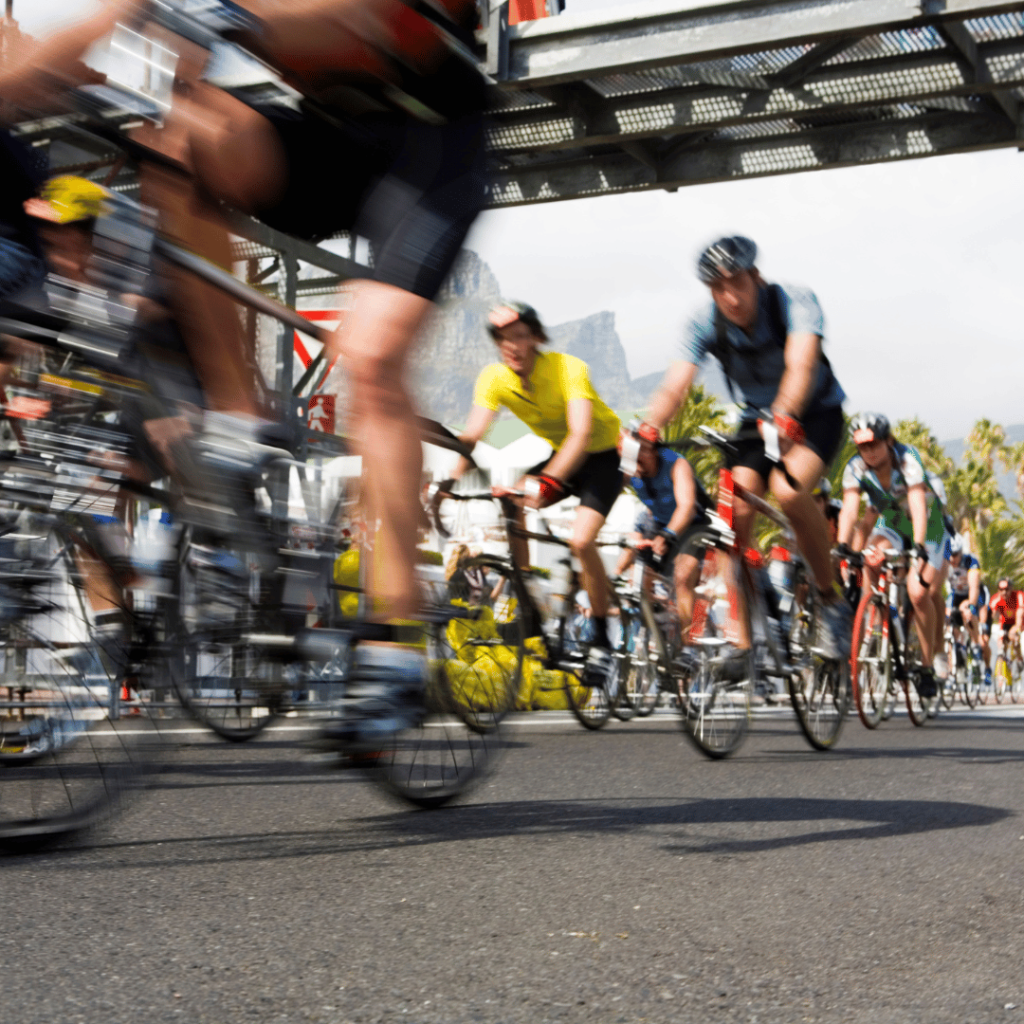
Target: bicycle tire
[(644, 681), (1017, 689), (976, 682), (71, 752), (461, 738), (592, 705), (870, 665), (715, 713), (226, 681), (491, 639), (918, 707), (624, 709), (1001, 681), (819, 690), (948, 686), (969, 685)]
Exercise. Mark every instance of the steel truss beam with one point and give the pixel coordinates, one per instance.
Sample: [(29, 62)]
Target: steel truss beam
[(624, 100)]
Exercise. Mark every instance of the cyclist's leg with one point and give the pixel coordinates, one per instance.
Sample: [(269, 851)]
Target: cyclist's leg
[(806, 467), (923, 592), (753, 479), (379, 333)]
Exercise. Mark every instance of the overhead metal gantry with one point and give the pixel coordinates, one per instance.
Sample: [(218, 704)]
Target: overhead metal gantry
[(663, 95)]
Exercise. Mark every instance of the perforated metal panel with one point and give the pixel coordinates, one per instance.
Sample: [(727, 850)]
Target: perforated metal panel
[(685, 95)]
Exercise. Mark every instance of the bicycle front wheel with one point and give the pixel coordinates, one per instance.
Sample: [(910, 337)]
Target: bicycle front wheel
[(71, 742), (1017, 687), (820, 690), (870, 667), (1001, 681), (642, 684)]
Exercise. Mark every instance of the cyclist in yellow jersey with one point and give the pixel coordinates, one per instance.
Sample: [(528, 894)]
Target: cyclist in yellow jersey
[(552, 394)]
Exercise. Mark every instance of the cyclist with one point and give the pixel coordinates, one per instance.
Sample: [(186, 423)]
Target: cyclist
[(552, 394), (1007, 606), (674, 502), (768, 340), (385, 140), (968, 596), (902, 511)]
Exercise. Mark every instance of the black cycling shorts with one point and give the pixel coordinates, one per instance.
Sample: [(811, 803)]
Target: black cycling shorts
[(413, 189), (597, 483), (825, 429)]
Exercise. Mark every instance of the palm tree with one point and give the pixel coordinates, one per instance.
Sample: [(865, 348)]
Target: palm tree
[(701, 409), (1000, 550), (986, 440), (1012, 458)]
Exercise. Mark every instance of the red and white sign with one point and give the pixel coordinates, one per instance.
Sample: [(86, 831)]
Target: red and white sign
[(321, 413), (306, 349)]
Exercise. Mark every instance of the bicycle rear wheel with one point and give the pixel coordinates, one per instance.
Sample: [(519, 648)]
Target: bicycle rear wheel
[(490, 641), (870, 667), (918, 708), (1017, 688), (71, 747), (461, 738)]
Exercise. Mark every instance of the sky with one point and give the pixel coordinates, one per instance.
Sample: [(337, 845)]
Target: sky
[(918, 265)]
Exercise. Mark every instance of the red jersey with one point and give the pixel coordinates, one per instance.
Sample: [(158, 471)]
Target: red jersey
[(1005, 604)]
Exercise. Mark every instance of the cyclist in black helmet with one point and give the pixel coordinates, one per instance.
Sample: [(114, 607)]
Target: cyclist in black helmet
[(768, 340)]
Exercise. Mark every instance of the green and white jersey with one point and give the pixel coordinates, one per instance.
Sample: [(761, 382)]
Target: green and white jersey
[(907, 471)]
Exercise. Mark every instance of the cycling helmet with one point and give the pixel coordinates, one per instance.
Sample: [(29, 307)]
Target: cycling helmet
[(956, 545), (67, 199), (824, 489), (726, 257), (869, 426), (505, 313)]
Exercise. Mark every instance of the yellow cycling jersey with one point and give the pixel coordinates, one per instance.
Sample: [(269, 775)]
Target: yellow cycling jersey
[(556, 379)]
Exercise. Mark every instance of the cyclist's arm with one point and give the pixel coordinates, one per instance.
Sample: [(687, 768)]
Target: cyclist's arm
[(973, 586), (579, 415), (685, 491), (917, 504), (672, 393), (848, 515), (803, 355), (480, 420), (42, 69)]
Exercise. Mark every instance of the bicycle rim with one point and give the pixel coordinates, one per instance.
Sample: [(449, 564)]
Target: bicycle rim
[(869, 669), (1001, 681), (71, 748)]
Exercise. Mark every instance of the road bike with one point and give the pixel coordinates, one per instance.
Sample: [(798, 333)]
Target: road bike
[(964, 678), (886, 651), (554, 654), (740, 619)]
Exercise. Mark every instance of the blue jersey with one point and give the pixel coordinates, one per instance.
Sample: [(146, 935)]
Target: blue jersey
[(958, 574), (657, 492), (760, 358)]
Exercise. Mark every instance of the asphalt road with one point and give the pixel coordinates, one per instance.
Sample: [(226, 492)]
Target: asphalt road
[(609, 877)]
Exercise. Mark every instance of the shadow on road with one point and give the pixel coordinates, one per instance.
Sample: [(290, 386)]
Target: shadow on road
[(695, 827)]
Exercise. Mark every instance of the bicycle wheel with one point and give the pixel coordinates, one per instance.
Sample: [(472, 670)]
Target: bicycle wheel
[(1001, 680), (918, 707), (970, 683), (819, 690), (975, 683), (223, 676), (642, 682), (715, 712), (948, 686), (71, 748), (870, 665), (1017, 687), (490, 641), (593, 705), (461, 738)]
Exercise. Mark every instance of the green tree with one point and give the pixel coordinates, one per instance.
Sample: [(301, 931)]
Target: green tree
[(999, 546), (986, 441), (917, 433), (701, 409), (1012, 458)]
